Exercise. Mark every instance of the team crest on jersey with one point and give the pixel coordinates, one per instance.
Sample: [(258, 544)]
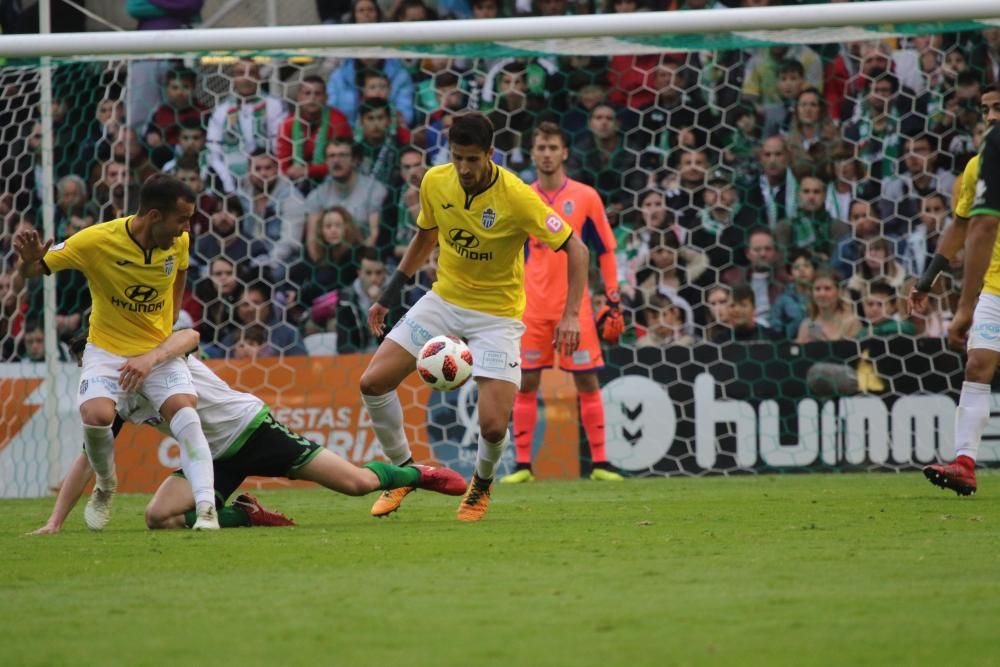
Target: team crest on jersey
[(168, 266), (568, 207), (489, 217)]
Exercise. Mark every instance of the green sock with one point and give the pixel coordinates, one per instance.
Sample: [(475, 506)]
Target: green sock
[(229, 517), (393, 477)]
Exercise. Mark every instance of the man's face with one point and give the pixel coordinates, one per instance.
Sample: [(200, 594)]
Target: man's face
[(811, 195), (933, 212), (761, 251), (223, 276), (603, 123), (179, 93), (654, 212), (253, 307), (246, 78), (774, 157), (862, 220), (693, 168), (411, 168), (116, 178), (919, 157), (741, 313), (35, 138), (263, 171), (69, 195), (718, 304), (878, 308), (551, 7), (34, 344), (472, 164), (311, 98), (375, 126), (666, 80), (790, 84), (513, 86), (880, 95), (172, 224), (375, 87), (365, 12), (340, 161), (191, 141), (991, 108), (372, 273), (548, 153), (190, 178), (485, 9)]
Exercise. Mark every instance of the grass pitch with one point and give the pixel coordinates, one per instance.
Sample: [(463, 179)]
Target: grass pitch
[(862, 569)]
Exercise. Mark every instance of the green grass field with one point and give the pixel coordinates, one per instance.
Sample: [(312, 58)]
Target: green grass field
[(875, 569)]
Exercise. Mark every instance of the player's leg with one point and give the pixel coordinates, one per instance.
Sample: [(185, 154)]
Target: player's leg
[(974, 402), (337, 474), (394, 360), (98, 396), (172, 506), (496, 351), (525, 421), (588, 392), (171, 390)]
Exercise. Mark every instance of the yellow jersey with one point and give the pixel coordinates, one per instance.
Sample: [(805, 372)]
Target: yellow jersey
[(962, 207), (482, 237), (131, 288)]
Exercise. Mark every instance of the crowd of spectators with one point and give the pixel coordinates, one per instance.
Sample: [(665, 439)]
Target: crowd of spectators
[(785, 193)]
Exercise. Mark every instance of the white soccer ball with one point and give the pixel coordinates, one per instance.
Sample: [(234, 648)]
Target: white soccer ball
[(445, 363)]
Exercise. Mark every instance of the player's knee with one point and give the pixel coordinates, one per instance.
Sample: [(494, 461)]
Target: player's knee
[(530, 382), (374, 385), (97, 415), (978, 369), (493, 430), (155, 519)]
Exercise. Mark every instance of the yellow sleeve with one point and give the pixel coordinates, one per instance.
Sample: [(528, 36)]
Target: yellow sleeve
[(962, 207), (539, 220), (425, 219), (71, 253), (184, 252)]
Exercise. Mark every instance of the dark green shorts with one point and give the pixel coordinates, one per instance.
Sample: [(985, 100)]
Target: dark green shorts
[(273, 450)]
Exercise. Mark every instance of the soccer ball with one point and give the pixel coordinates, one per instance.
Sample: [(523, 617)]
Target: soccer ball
[(445, 363)]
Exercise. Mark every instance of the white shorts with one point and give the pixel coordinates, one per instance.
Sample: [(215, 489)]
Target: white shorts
[(985, 330), (495, 341), (99, 379)]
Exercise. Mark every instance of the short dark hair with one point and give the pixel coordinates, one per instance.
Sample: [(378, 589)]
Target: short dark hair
[(260, 286), (371, 254), (188, 163), (160, 192), (232, 204), (314, 79), (366, 73), (791, 66), (370, 104), (796, 254), (191, 124), (356, 150), (932, 140), (471, 128), (882, 287), (410, 148), (992, 88), (548, 128), (743, 292), (183, 74)]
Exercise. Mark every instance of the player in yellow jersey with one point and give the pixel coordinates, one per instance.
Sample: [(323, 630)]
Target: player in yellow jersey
[(135, 268), (977, 321), (481, 216)]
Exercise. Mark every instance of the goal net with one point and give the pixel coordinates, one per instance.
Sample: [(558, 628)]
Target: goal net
[(772, 195)]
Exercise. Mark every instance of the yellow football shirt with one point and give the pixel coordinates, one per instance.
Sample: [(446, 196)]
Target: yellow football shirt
[(967, 194), (131, 288), (481, 266)]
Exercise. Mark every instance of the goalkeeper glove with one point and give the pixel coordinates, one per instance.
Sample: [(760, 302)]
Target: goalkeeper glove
[(610, 323)]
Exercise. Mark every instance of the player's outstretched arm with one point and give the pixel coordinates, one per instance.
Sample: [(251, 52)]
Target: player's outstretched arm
[(72, 488), (135, 369), (415, 257), (29, 247), (567, 332)]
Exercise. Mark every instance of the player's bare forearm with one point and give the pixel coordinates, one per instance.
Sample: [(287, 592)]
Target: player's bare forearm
[(135, 369), (953, 238), (180, 280), (69, 492), (577, 266), (418, 251), (982, 233)]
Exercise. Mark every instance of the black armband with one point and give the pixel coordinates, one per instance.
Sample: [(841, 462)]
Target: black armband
[(938, 264), (393, 290)]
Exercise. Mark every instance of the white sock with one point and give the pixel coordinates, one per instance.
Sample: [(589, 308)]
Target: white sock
[(100, 448), (971, 417), (196, 457), (489, 457), (386, 413)]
